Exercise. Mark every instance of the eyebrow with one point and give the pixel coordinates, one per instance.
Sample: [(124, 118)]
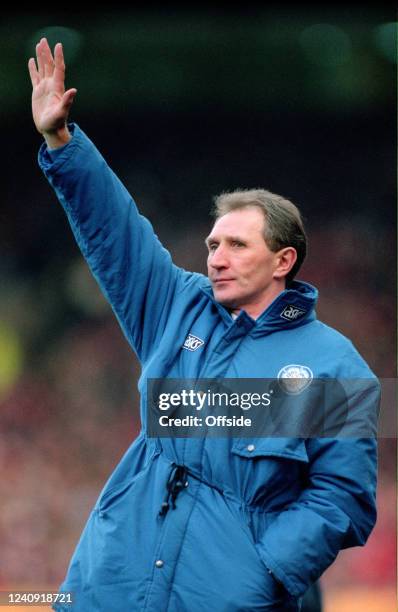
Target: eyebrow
[(230, 238), (208, 240)]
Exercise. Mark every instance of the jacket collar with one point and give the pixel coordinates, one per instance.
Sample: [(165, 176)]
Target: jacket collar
[(293, 307)]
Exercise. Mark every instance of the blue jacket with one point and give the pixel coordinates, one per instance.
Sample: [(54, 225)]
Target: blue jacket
[(260, 519)]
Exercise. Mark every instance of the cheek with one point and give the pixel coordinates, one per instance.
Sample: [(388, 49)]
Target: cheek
[(258, 273)]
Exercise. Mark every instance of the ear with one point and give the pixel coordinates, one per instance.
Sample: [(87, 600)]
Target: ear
[(285, 260)]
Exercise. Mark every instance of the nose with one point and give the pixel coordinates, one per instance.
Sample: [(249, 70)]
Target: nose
[(218, 258)]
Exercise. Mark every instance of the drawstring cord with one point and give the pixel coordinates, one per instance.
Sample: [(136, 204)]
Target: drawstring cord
[(175, 484)]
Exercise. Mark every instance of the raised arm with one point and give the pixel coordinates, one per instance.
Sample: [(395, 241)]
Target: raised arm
[(50, 102), (135, 273)]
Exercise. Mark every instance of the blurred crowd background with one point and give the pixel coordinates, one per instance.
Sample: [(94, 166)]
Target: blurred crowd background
[(184, 105)]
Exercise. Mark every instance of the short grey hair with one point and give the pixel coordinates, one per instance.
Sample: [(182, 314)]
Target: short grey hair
[(284, 226)]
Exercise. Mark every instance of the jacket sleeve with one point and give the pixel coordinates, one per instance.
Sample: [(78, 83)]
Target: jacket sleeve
[(336, 510), (134, 271)]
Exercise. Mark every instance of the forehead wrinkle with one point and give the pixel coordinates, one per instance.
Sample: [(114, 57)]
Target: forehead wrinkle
[(237, 225), (229, 237)]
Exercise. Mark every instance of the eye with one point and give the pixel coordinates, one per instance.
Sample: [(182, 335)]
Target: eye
[(212, 246), (238, 244)]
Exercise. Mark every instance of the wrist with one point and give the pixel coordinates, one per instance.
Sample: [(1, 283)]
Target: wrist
[(57, 138)]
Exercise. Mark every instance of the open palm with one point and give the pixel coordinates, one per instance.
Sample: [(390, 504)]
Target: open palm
[(50, 102)]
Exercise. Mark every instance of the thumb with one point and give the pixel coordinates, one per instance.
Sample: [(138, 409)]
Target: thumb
[(68, 97)]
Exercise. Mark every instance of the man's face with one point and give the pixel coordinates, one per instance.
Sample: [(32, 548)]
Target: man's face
[(240, 265)]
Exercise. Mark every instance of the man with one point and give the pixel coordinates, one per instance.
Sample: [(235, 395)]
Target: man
[(209, 523)]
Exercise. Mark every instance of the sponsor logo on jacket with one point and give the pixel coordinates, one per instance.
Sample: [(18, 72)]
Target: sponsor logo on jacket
[(291, 313), (295, 378), (192, 343)]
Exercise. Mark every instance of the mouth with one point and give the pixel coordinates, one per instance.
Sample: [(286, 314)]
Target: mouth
[(218, 281)]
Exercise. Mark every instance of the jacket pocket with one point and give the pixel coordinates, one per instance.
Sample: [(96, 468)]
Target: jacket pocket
[(285, 448), (111, 495)]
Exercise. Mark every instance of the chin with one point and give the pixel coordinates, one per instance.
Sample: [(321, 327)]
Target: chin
[(226, 300)]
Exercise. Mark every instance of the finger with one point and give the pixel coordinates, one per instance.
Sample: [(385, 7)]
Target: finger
[(40, 60), (34, 75), (68, 97), (48, 58), (59, 65)]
